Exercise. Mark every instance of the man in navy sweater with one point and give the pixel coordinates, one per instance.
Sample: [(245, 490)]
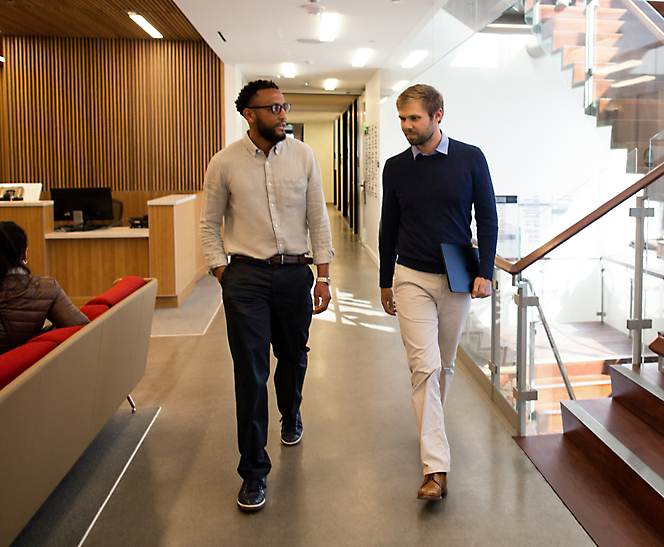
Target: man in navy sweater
[(429, 193)]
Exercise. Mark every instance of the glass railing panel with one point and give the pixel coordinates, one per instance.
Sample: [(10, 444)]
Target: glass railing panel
[(585, 294), (476, 338), (655, 157), (586, 301), (529, 221), (653, 280), (632, 163)]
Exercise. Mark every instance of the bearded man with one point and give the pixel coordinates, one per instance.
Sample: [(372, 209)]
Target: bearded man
[(268, 193), (430, 193)]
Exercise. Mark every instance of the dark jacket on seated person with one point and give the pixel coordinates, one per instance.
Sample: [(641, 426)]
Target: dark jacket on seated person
[(26, 301)]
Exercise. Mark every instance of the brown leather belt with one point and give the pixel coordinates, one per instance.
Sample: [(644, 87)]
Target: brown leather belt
[(276, 259)]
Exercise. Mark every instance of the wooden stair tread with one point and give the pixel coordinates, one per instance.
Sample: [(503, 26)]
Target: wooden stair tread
[(563, 38), (651, 373), (579, 380), (578, 12), (629, 429), (608, 518), (636, 392)]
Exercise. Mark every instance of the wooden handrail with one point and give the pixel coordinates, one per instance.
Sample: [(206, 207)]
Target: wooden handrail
[(519, 266)]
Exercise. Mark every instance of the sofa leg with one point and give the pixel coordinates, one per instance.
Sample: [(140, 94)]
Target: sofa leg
[(131, 402)]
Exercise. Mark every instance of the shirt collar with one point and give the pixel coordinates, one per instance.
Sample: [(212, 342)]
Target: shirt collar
[(442, 148), (254, 150)]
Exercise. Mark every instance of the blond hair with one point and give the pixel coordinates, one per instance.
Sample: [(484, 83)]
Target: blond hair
[(431, 98)]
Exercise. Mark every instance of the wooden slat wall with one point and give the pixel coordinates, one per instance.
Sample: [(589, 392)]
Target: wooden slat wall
[(135, 115)]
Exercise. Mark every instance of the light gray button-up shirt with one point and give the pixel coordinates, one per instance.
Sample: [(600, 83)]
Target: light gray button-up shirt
[(270, 204)]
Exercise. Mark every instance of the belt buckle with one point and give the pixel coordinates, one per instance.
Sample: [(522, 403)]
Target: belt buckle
[(282, 259)]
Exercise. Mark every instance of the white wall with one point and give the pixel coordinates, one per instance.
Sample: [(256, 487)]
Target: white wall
[(320, 136), (234, 124), (523, 114), (370, 215)]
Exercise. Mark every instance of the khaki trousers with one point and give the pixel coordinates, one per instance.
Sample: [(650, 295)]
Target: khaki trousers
[(431, 319)]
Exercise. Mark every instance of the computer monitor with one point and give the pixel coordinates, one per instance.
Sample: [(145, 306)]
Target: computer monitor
[(94, 204)]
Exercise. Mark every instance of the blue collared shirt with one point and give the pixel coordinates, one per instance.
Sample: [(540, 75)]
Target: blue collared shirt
[(442, 148)]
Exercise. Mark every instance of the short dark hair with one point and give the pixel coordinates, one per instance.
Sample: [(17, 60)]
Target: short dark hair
[(13, 243), (249, 92), (431, 98)]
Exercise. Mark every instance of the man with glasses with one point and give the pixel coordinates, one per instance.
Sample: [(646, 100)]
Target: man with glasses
[(267, 190)]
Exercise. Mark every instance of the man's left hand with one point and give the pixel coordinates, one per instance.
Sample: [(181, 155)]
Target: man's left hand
[(322, 297), (481, 288)]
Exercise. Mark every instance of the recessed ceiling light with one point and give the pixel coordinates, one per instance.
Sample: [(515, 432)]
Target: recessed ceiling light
[(362, 57), (415, 58), (400, 85), (147, 27), (288, 70), (330, 84), (328, 26)]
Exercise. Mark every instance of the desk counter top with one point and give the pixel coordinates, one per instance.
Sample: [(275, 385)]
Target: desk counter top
[(25, 203), (118, 232), (172, 199)]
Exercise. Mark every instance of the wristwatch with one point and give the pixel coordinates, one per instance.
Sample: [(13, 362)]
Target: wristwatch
[(323, 280)]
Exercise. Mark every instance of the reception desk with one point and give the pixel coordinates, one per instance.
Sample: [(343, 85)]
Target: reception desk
[(87, 263)]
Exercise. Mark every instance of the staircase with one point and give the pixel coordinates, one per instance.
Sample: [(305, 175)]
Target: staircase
[(608, 466), (622, 39)]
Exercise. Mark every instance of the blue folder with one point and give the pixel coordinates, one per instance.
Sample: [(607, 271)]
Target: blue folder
[(462, 266)]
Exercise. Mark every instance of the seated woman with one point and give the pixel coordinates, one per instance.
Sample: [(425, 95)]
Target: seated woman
[(26, 300)]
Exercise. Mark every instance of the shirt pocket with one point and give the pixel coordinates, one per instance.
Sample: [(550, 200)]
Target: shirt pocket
[(294, 192)]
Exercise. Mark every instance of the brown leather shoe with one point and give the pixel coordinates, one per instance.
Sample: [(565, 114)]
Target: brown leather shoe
[(434, 487)]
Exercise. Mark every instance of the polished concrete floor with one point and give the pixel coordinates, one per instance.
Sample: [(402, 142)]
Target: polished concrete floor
[(353, 479)]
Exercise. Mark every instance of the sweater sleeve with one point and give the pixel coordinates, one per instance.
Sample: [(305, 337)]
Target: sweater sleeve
[(486, 217), (388, 230)]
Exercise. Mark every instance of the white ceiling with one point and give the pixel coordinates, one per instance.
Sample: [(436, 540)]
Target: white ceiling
[(261, 34)]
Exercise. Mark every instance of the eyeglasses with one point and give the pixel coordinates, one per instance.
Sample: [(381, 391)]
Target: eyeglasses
[(275, 108)]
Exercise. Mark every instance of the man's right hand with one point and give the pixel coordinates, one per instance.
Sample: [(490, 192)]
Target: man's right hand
[(218, 272), (387, 299)]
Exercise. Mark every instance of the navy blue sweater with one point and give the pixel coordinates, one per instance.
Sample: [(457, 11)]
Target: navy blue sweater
[(427, 201)]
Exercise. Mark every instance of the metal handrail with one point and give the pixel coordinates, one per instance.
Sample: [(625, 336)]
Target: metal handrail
[(552, 343)]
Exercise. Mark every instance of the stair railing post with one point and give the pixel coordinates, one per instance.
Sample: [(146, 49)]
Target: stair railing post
[(589, 85), (638, 323), (495, 363), (522, 392)]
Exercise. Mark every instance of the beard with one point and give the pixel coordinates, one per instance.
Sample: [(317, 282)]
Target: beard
[(269, 133), (417, 139)]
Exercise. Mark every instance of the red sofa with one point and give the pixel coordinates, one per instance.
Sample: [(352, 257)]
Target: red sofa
[(59, 389)]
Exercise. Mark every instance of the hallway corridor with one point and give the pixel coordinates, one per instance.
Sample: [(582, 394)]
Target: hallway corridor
[(353, 479)]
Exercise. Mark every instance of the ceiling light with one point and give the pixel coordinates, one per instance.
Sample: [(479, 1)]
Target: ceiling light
[(383, 100), (633, 81), (288, 69), (147, 27), (617, 68), (400, 85), (328, 26), (330, 84), (362, 56), (415, 58)]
